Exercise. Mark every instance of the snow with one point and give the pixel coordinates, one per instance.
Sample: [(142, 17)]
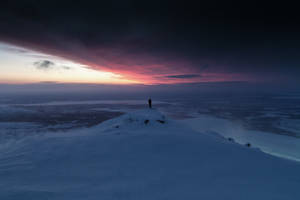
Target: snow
[(137, 119), (274, 144), (292, 125), (126, 158)]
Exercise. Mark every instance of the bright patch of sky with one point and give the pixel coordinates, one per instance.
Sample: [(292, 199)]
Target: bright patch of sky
[(19, 65)]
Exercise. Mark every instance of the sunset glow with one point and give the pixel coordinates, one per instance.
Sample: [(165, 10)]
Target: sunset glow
[(19, 65)]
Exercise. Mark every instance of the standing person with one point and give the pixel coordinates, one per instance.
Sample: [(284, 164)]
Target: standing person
[(150, 103)]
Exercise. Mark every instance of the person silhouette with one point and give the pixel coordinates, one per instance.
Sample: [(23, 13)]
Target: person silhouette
[(150, 103)]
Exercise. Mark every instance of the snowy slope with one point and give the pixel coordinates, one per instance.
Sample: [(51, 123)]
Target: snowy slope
[(129, 158), (274, 144)]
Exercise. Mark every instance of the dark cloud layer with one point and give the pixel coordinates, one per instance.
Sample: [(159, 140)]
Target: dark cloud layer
[(253, 39)]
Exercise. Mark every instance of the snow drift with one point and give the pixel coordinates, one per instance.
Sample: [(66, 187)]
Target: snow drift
[(142, 155)]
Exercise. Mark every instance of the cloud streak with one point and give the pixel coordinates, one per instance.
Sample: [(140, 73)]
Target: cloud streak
[(184, 76), (44, 65), (49, 65)]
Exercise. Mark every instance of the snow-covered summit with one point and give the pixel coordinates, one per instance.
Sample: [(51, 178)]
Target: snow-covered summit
[(137, 119), (154, 160)]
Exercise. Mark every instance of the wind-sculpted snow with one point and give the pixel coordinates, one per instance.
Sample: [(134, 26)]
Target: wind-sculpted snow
[(131, 158), (274, 144)]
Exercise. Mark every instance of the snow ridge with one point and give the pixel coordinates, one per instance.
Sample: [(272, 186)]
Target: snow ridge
[(131, 158)]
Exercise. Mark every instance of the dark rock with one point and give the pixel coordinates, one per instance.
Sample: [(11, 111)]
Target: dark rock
[(248, 145), (161, 121), (146, 121)]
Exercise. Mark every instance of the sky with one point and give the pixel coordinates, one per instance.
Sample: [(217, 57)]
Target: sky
[(149, 42), (23, 66)]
